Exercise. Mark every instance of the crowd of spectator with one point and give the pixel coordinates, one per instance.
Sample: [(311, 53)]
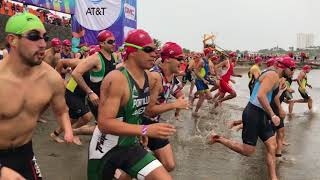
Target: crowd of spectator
[(11, 8)]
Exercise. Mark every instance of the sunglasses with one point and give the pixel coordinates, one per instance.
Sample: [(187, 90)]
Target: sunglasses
[(35, 36), (146, 49), (111, 42), (179, 58)]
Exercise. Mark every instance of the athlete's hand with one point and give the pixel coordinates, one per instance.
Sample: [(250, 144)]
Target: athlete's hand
[(205, 81), (68, 136), (69, 70), (144, 141), (9, 174), (283, 87), (160, 130), (282, 113), (181, 103), (276, 120), (93, 97), (233, 81)]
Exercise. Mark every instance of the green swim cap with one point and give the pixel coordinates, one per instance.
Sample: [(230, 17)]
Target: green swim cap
[(84, 49), (23, 22)]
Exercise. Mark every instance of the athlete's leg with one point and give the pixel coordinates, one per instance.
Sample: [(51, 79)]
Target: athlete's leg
[(202, 97), (232, 94), (243, 149), (83, 120), (291, 103), (310, 103), (271, 149), (280, 140), (159, 173), (166, 157), (191, 88)]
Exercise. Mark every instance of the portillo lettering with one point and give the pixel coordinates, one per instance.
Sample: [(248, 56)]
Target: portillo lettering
[(96, 10)]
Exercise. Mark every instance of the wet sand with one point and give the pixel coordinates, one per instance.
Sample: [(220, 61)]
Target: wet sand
[(195, 159)]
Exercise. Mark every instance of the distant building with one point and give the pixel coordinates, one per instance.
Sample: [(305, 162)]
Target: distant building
[(305, 40)]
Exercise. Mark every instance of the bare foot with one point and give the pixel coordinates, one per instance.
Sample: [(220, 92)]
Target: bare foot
[(77, 141), (230, 124), (285, 143), (237, 127), (178, 118), (56, 138)]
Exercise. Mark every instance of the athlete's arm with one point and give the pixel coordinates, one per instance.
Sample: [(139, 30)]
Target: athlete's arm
[(63, 63), (220, 65), (59, 105), (7, 173), (111, 99), (300, 78), (153, 109), (197, 70), (86, 65), (267, 83), (211, 68), (191, 63)]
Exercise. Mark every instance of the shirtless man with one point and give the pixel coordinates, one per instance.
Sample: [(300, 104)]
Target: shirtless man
[(31, 86), (52, 55)]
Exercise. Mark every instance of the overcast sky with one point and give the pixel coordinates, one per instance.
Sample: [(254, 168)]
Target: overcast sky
[(238, 24)]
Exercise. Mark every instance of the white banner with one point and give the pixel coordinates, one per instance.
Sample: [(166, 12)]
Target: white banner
[(97, 14), (130, 11)]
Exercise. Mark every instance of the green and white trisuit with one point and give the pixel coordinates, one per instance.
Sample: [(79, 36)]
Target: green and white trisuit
[(110, 152)]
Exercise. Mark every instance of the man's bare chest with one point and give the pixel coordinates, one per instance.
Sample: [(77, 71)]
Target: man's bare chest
[(25, 97)]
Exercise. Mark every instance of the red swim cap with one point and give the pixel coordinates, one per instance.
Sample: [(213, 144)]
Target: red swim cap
[(286, 62), (55, 42), (66, 42), (232, 54), (306, 68), (171, 50), (136, 37), (270, 62), (103, 35), (258, 59)]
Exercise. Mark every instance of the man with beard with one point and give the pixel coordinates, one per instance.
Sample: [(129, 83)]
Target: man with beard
[(52, 55), (31, 86), (255, 116)]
